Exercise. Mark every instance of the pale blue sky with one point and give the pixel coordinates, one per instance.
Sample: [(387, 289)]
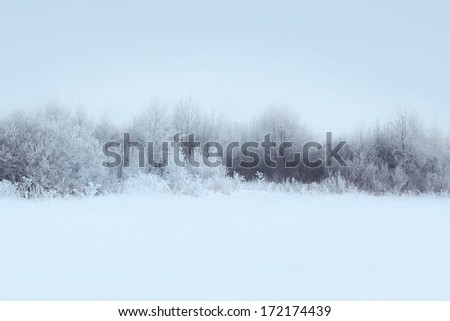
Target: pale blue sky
[(340, 63)]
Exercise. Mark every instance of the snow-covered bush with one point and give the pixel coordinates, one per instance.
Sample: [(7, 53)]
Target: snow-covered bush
[(335, 185), (146, 184), (50, 153), (219, 182), (7, 189), (182, 180), (222, 185)]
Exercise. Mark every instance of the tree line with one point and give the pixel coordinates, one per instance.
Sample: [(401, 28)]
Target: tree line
[(60, 151)]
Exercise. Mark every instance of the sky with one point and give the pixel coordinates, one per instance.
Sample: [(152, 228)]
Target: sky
[(340, 64)]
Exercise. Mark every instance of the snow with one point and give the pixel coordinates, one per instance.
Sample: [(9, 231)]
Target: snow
[(243, 246)]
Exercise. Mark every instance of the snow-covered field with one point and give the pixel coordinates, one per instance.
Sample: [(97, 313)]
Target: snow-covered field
[(244, 246)]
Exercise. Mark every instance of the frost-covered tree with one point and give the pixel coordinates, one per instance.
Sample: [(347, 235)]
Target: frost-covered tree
[(186, 114), (152, 126), (289, 133), (185, 120), (51, 153)]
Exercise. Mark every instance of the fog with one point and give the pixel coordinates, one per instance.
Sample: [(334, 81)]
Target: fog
[(339, 64)]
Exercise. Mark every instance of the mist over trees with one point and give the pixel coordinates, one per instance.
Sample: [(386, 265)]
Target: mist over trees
[(57, 151)]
